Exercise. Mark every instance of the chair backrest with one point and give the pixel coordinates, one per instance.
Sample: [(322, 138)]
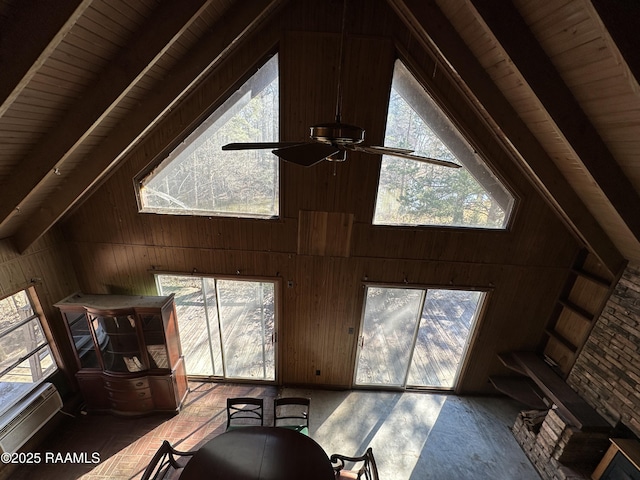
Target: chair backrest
[(163, 461), (244, 411), (370, 467), (291, 411), (368, 470)]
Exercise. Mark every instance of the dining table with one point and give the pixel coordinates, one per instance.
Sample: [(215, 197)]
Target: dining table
[(259, 453)]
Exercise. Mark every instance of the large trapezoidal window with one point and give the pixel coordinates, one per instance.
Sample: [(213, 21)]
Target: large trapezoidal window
[(197, 178), (416, 193)]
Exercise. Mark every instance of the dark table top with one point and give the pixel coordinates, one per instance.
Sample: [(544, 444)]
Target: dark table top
[(259, 453)]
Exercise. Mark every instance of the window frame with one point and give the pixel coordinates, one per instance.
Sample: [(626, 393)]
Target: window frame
[(38, 315), (177, 144), (463, 136)]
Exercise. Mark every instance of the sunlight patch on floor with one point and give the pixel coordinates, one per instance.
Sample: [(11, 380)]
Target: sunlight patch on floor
[(349, 422)]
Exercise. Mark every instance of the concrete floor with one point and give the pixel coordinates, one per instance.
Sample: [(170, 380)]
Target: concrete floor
[(421, 436), (414, 436)]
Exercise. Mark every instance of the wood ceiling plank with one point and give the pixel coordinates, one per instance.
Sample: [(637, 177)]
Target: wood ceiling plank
[(526, 54), (163, 28), (433, 30), (227, 34), (35, 32), (80, 55)]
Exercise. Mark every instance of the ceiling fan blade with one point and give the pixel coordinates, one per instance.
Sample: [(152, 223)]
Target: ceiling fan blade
[(259, 145), (384, 150), (402, 153), (306, 154)]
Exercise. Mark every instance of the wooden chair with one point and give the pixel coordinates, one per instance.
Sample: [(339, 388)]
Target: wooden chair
[(368, 470), (244, 412), (163, 461), (292, 413)]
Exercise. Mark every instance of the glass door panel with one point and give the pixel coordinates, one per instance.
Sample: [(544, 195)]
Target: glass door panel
[(213, 326), (194, 315), (121, 350), (226, 326), (415, 337), (153, 331), (388, 332), (446, 323), (246, 322), (82, 339)]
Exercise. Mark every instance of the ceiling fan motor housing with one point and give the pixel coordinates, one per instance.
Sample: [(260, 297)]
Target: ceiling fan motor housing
[(338, 134)]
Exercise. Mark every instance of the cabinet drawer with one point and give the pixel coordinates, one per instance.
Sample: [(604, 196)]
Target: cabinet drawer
[(129, 395), (126, 383)]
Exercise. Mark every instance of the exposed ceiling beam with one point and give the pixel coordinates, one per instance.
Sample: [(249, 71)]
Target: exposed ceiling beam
[(163, 28), (227, 35), (430, 27), (28, 40), (521, 47), (621, 21)]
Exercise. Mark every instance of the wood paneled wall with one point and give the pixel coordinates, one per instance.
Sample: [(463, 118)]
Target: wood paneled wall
[(47, 267), (116, 249)]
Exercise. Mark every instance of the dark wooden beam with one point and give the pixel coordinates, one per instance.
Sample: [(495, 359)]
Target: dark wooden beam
[(434, 32), (512, 33), (28, 39), (162, 29), (621, 19), (228, 34)]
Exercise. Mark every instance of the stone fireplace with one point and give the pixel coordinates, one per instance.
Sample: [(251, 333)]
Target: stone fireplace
[(607, 372), (557, 449), (607, 376)]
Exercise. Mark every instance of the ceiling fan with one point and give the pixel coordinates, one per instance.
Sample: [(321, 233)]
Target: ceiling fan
[(331, 141)]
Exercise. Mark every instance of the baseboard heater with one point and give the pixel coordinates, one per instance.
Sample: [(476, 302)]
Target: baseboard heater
[(25, 418)]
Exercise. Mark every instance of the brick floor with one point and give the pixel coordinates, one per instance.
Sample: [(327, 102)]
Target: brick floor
[(126, 444), (415, 435)]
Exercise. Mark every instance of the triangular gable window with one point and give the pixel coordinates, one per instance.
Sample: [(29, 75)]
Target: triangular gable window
[(197, 178), (416, 193)]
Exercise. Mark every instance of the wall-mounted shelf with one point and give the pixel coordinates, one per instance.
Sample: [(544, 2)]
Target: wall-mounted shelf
[(591, 277), (579, 304), (566, 343), (581, 312)]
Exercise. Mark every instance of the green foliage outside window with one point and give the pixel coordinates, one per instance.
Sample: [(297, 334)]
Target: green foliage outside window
[(416, 193), (198, 178)]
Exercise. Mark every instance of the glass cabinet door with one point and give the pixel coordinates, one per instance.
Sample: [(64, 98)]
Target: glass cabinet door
[(118, 339), (153, 332), (82, 339)]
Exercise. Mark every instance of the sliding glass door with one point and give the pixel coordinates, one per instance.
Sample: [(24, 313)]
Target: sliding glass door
[(227, 327), (414, 337)]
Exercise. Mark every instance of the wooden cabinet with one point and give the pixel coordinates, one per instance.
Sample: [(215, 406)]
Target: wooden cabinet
[(622, 461), (128, 354)]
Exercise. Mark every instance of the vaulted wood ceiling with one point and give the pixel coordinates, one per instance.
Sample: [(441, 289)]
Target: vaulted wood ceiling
[(84, 80)]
